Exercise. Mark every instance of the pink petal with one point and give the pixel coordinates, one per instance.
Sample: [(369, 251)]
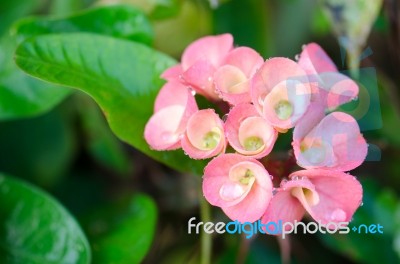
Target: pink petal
[(200, 77), (163, 131), (313, 59), (175, 93), (210, 48), (337, 89), (238, 130), (271, 73), (173, 73), (248, 206), (340, 195), (232, 84), (204, 137), (285, 207), (245, 59), (287, 102), (315, 113), (342, 133)]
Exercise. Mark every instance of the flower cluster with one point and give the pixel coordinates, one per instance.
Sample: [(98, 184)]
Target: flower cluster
[(264, 98)]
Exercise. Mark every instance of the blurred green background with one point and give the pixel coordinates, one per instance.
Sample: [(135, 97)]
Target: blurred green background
[(71, 192)]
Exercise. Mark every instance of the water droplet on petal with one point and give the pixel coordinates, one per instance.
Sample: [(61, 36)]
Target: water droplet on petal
[(225, 117), (274, 191), (192, 91), (355, 98), (231, 191), (303, 46), (338, 215), (209, 79), (297, 57), (261, 100)]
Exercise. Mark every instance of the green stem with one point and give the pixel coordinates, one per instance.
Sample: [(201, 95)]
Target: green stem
[(206, 239)]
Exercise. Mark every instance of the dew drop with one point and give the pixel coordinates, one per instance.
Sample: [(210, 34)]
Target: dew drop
[(355, 98), (303, 46), (261, 100), (225, 117), (283, 182), (297, 57), (274, 191), (209, 79), (338, 215), (231, 191)]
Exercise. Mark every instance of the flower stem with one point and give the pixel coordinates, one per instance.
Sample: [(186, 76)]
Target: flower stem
[(206, 239)]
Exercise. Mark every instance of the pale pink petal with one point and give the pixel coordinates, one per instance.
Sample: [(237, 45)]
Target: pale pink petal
[(340, 133), (245, 59), (340, 194), (313, 59), (173, 73), (286, 205), (253, 205), (315, 113), (271, 73), (163, 130), (210, 48), (200, 77), (232, 84), (287, 102), (174, 93), (337, 89), (226, 170), (333, 88), (244, 123), (204, 136)]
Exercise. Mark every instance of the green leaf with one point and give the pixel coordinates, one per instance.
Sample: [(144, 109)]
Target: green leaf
[(39, 149), (20, 95), (122, 77), (12, 10), (165, 9), (123, 231), (250, 27), (101, 143), (35, 228), (173, 35), (120, 21), (23, 96)]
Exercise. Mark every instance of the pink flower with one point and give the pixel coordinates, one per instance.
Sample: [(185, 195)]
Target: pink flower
[(199, 62), (330, 88), (327, 196), (332, 142), (281, 92), (204, 136), (173, 107), (239, 185), (249, 133), (233, 79)]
